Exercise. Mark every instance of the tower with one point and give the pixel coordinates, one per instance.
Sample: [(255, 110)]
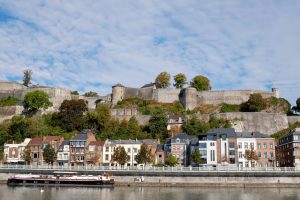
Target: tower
[(118, 91)]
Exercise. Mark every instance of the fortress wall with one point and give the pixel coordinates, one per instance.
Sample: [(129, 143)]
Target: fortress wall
[(7, 112), (267, 123), (124, 112), (11, 86), (228, 96), (293, 119), (14, 93), (146, 93), (168, 95), (142, 119)]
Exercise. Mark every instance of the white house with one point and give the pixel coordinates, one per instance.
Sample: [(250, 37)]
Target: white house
[(63, 153), (132, 148), (13, 153)]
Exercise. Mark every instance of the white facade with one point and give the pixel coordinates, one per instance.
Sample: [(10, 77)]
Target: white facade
[(243, 144), (13, 153), (132, 148), (208, 151), (63, 155)]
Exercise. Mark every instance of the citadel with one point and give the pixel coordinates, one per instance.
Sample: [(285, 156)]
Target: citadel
[(189, 97)]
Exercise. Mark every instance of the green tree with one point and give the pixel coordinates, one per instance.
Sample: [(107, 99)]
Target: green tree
[(201, 83), (9, 101), (180, 80), (70, 116), (75, 92), (120, 156), (251, 155), (256, 103), (49, 154), (144, 155), (90, 94), (172, 160), (196, 157), (158, 125), (37, 100), (27, 77), (163, 80), (195, 126), (298, 104), (133, 129), (26, 156)]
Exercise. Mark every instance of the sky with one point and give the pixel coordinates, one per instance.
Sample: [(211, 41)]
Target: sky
[(94, 44)]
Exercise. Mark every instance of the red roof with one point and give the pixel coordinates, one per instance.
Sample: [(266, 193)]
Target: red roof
[(97, 143), (44, 140)]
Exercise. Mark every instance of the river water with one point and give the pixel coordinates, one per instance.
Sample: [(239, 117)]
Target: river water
[(147, 193)]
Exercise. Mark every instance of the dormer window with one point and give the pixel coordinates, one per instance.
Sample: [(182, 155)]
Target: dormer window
[(177, 140)]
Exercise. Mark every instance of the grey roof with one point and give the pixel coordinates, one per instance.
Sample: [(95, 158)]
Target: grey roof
[(61, 146), (183, 137), (150, 141), (118, 85), (160, 147), (82, 135), (251, 135), (125, 142), (221, 130)]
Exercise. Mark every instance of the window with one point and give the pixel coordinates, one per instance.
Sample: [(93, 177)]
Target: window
[(259, 154), (296, 137), (239, 145), (240, 155), (212, 144), (134, 150), (231, 145), (271, 145), (265, 145), (212, 155), (106, 157), (271, 154), (129, 150), (203, 152), (107, 149), (258, 145), (247, 164), (251, 144), (202, 145), (231, 152), (159, 155), (265, 155), (246, 145), (36, 155)]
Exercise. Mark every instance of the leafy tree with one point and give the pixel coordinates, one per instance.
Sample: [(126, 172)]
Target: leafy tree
[(158, 125), (70, 116), (196, 157), (95, 158), (75, 92), (27, 77), (90, 94), (133, 129), (251, 155), (37, 100), (172, 160), (256, 103), (201, 83), (144, 155), (180, 80), (26, 155), (195, 126), (49, 154), (163, 80), (298, 104), (120, 156), (215, 122), (229, 108)]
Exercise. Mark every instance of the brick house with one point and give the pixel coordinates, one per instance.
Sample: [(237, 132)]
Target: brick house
[(94, 153), (78, 147), (288, 149), (37, 146), (13, 153)]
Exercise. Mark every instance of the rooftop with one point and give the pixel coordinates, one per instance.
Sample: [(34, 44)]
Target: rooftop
[(125, 141), (97, 143), (82, 135)]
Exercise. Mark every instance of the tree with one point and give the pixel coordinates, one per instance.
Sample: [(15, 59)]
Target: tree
[(255, 103), (163, 80), (196, 157), (49, 154), (201, 83), (75, 92), (95, 158), (172, 160), (37, 100), (180, 80), (144, 156), (158, 125), (133, 130), (70, 116), (298, 104), (195, 126), (26, 155), (251, 155), (120, 156), (27, 77), (90, 94)]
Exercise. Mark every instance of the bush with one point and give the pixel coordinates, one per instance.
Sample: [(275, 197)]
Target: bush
[(255, 103), (9, 101), (229, 108)]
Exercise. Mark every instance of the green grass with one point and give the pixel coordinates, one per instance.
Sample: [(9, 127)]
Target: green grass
[(229, 108), (9, 101)]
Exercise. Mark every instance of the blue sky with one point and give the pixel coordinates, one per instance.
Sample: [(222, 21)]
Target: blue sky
[(92, 45)]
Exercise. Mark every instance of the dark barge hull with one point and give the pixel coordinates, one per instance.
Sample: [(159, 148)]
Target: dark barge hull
[(47, 182)]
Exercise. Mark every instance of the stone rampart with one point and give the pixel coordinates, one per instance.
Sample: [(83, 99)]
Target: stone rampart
[(168, 95), (293, 119), (267, 123), (7, 112)]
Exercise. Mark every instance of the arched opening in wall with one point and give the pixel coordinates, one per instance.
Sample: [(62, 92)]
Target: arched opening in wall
[(98, 101)]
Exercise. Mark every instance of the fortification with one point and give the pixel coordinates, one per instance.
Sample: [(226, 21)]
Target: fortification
[(189, 97)]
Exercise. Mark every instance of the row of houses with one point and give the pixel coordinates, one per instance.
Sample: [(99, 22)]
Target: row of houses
[(217, 146)]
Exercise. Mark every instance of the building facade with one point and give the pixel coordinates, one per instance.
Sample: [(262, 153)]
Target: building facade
[(63, 154), (14, 153)]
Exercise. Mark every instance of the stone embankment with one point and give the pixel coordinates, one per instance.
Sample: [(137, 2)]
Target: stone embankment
[(185, 178)]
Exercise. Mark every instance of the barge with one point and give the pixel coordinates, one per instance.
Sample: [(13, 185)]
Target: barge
[(60, 179)]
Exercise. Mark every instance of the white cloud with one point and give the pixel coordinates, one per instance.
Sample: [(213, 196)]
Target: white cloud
[(83, 44)]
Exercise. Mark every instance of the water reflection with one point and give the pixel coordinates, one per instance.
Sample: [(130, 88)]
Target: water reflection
[(147, 193)]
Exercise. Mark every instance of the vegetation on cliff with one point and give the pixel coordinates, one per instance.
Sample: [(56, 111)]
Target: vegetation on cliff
[(9, 101), (36, 100), (291, 127), (201, 83)]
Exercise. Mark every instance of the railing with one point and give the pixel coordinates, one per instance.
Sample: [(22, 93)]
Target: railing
[(151, 168)]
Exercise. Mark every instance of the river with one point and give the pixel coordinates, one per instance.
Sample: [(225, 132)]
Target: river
[(147, 193)]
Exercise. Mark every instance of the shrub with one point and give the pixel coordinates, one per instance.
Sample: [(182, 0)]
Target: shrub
[(9, 101)]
